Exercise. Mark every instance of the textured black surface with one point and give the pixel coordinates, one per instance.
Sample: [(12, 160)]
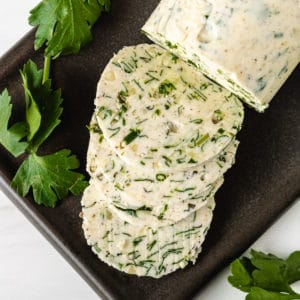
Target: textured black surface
[(264, 181)]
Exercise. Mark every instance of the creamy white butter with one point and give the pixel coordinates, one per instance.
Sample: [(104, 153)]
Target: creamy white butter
[(250, 47), (153, 197), (142, 250), (158, 112)]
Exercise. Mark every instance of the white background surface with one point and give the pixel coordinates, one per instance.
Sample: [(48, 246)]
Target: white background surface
[(30, 269)]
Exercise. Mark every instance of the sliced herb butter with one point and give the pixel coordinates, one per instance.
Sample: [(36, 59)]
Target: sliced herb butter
[(166, 213), (158, 112), (249, 47), (142, 250), (131, 188)]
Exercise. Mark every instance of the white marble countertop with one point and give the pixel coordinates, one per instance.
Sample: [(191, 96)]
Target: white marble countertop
[(30, 269)]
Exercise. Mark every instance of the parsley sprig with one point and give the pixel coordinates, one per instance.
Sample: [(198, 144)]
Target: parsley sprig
[(51, 177), (63, 27), (266, 276)]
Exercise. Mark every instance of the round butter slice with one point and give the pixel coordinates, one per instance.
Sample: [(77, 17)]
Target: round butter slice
[(158, 112), (141, 250), (166, 213)]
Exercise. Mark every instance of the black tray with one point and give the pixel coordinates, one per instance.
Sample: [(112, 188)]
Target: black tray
[(264, 181)]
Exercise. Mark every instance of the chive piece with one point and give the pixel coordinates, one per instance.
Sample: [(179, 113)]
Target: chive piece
[(203, 139), (143, 179), (138, 240), (188, 230), (168, 161), (131, 212), (117, 186), (184, 190), (161, 177), (278, 35), (114, 130), (151, 245), (130, 137), (138, 84), (151, 78), (134, 255), (144, 208), (162, 214), (196, 121)]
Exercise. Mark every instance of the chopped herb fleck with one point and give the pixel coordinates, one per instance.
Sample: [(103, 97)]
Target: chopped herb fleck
[(94, 128), (138, 84), (96, 248), (166, 88), (278, 35), (130, 137), (103, 112), (157, 112), (218, 116), (134, 255), (221, 130), (143, 179), (192, 161), (175, 58), (162, 214), (196, 121), (138, 240), (114, 130), (161, 177), (122, 96), (185, 190), (151, 245), (261, 84), (133, 212), (167, 160), (170, 45), (151, 78)]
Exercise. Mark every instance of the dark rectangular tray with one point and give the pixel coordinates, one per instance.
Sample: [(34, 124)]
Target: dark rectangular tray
[(263, 182)]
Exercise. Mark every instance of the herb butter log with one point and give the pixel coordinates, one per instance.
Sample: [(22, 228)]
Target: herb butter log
[(250, 47), (141, 250), (158, 112)]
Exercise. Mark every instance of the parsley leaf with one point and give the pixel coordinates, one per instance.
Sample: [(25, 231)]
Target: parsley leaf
[(265, 276), (292, 271), (31, 82), (42, 105), (64, 26), (257, 293), (10, 138), (51, 177)]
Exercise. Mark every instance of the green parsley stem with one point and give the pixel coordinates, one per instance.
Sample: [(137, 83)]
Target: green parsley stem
[(47, 66)]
